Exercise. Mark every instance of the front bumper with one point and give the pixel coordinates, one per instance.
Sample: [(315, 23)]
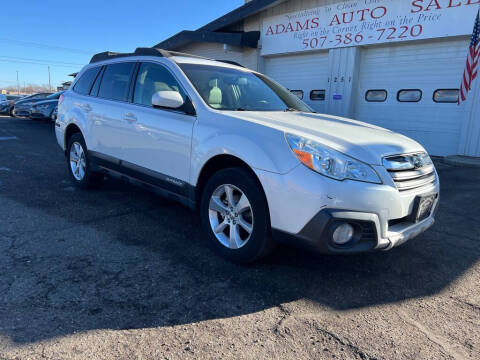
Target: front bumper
[(22, 111), (304, 206), (40, 114)]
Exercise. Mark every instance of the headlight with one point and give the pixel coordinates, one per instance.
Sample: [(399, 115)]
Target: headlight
[(329, 162), (42, 107)]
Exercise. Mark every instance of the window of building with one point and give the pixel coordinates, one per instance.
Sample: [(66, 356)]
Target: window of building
[(376, 95), (115, 81), (445, 96), (84, 84), (297, 93), (317, 95), (409, 95), (152, 78)]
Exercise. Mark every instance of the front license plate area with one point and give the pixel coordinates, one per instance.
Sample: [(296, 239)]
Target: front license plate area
[(423, 207)]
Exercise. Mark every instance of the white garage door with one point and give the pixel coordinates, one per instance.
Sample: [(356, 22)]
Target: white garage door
[(303, 73), (425, 66)]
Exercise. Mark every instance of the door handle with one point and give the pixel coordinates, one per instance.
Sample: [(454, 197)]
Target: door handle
[(130, 117)]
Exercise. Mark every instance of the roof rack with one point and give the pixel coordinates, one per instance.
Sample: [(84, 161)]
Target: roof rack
[(142, 51), (106, 55)]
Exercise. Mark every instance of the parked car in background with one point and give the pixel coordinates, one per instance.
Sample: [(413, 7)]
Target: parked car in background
[(256, 161), (44, 109), (22, 107), (55, 113), (6, 103)]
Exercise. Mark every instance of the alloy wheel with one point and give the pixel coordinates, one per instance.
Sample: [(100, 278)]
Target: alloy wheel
[(78, 163), (231, 216)]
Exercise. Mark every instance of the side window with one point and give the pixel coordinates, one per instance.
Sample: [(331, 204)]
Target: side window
[(317, 95), (115, 81), (84, 84), (445, 96), (298, 93), (96, 84), (376, 95), (152, 78), (409, 95)]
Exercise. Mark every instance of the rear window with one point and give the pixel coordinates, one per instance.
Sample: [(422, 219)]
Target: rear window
[(115, 81), (83, 85), (376, 95), (445, 96)]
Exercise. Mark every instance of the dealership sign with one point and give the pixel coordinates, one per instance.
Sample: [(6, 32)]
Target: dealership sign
[(363, 22)]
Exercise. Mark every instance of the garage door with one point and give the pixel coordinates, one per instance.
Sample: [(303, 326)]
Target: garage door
[(411, 89), (305, 74)]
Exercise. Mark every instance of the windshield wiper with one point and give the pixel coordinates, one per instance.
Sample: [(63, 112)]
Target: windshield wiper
[(290, 109)]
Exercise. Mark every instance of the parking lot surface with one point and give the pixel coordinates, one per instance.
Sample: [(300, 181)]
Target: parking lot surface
[(119, 273)]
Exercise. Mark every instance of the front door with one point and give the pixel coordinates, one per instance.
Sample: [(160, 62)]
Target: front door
[(159, 142)]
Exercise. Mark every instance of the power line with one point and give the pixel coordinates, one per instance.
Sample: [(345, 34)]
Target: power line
[(38, 63), (45, 46), (47, 62)]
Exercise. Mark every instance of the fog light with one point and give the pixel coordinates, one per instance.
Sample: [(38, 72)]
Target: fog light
[(343, 234)]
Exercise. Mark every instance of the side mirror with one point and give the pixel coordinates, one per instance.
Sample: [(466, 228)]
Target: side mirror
[(167, 99)]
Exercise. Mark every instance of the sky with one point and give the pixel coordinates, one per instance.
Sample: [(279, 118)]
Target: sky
[(65, 34)]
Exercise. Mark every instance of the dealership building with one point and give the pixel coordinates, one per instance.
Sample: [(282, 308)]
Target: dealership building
[(397, 64)]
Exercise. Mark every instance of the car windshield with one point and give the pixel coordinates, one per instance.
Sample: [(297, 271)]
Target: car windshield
[(224, 88), (55, 96)]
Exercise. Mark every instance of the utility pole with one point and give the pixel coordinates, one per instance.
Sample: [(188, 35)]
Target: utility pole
[(18, 85), (49, 84)]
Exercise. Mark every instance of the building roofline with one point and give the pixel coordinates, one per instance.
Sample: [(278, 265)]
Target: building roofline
[(242, 39)]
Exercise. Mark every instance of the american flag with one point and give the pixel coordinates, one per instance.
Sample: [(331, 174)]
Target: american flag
[(473, 58)]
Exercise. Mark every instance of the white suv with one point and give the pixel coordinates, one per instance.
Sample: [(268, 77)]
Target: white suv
[(256, 161)]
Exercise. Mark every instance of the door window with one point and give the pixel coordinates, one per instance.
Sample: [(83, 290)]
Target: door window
[(409, 95), (445, 96), (376, 95), (317, 95), (115, 81), (152, 78)]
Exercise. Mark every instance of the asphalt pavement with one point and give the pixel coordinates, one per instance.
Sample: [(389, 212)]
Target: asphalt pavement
[(120, 273)]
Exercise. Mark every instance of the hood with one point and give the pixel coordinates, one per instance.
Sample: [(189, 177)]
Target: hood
[(365, 142), (47, 102)]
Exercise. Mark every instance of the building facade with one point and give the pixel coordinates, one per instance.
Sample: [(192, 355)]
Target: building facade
[(393, 63)]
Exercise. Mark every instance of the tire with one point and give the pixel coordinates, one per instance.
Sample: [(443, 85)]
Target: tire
[(83, 177), (216, 213)]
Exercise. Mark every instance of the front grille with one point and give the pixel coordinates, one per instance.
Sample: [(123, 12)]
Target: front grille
[(411, 171)]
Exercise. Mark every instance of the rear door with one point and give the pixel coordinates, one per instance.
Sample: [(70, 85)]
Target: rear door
[(110, 130), (159, 140)]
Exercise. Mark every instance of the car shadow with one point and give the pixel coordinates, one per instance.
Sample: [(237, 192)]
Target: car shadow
[(119, 257)]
